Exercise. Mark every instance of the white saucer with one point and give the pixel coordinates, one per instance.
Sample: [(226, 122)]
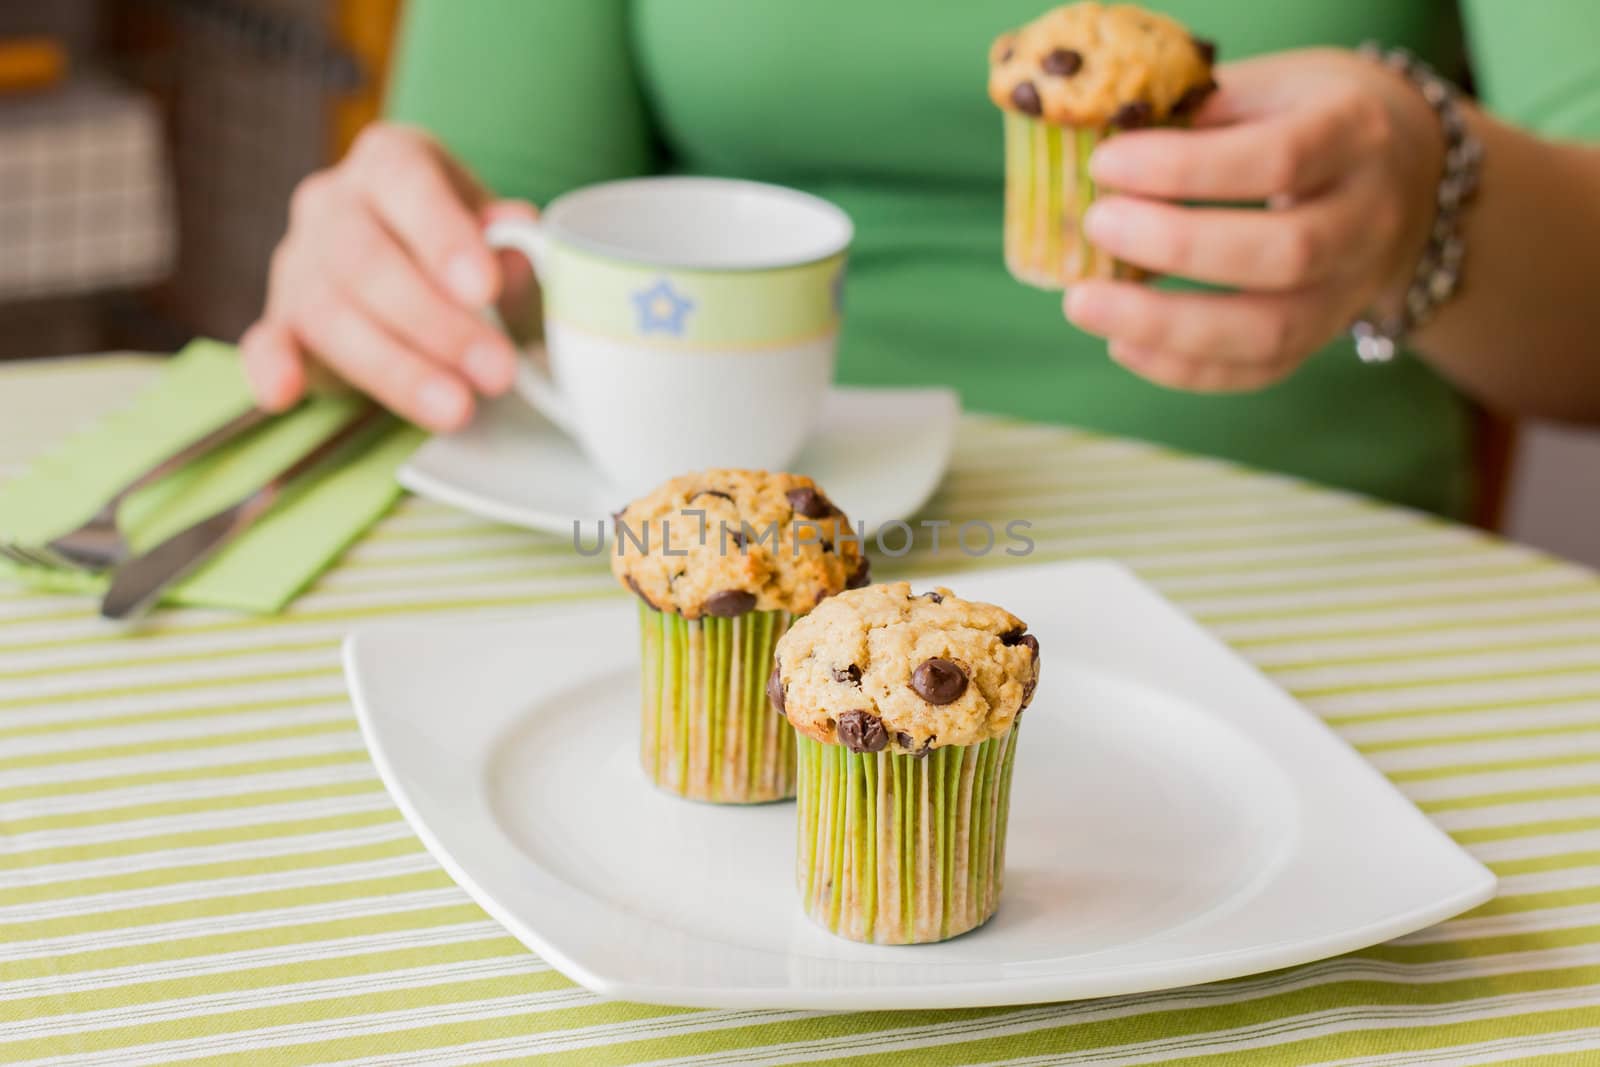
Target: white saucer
[(1175, 818), (879, 453)]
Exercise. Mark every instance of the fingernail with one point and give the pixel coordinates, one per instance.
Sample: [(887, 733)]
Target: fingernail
[(1102, 223), (1127, 357), (1109, 165), (490, 366), (443, 404), (1078, 303), (1093, 308), (285, 388), (468, 279)]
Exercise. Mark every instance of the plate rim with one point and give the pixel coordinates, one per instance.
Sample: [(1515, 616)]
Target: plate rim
[(415, 479), (1129, 978)]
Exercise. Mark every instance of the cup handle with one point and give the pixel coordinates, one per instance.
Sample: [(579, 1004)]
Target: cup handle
[(533, 381)]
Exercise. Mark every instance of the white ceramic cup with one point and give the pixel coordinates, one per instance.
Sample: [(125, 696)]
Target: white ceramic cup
[(689, 322)]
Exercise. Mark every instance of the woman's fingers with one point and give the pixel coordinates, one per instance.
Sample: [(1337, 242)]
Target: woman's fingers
[(1292, 153), (1268, 84), (418, 198), (347, 340), (1292, 248), (1195, 375), (369, 264), (517, 281), (1315, 136), (381, 281), (273, 365), (1245, 328)]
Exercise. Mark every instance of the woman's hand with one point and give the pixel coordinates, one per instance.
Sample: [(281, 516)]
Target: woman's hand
[(381, 278), (1346, 155)]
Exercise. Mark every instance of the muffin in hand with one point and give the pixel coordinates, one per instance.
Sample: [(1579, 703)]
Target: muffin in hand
[(1066, 81), (906, 710), (721, 562)]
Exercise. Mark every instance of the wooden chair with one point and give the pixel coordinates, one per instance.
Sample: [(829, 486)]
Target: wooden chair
[(1494, 455)]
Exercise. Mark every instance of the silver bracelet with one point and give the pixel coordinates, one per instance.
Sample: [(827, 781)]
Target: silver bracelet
[(1439, 271)]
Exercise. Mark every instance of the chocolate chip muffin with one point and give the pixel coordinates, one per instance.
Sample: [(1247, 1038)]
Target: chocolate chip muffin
[(721, 561), (906, 707), (1065, 82)]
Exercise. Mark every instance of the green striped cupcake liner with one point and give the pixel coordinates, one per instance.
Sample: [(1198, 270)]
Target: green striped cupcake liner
[(900, 849), (1048, 189), (707, 731)]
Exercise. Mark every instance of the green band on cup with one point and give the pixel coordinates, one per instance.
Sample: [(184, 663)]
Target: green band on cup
[(693, 309)]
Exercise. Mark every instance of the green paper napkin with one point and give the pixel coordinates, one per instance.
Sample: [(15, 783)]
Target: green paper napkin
[(199, 390)]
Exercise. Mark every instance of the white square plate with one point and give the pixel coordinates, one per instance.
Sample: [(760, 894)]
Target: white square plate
[(879, 453), (1175, 818)]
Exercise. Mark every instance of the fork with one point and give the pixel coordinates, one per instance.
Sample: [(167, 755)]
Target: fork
[(98, 545)]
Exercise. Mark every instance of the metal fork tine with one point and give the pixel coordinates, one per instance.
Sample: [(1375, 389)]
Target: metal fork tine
[(98, 545), (49, 557), (10, 552), (29, 556), (34, 556)]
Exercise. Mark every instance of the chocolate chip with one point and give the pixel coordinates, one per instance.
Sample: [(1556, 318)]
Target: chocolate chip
[(710, 492), (1063, 62), (938, 681), (1131, 116), (810, 503), (861, 576), (628, 578), (1011, 50), (1192, 98), (822, 594), (739, 540), (907, 742), (775, 689), (937, 598), (1207, 49), (827, 548), (1027, 690), (851, 674), (1020, 636), (1026, 98), (729, 603), (862, 731)]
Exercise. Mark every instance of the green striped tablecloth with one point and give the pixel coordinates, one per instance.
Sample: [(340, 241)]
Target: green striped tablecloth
[(198, 863)]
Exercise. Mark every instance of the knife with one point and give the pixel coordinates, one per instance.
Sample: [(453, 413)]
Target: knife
[(139, 582)]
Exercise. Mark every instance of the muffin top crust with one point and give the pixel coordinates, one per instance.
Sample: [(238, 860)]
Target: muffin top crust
[(885, 668), (1098, 65), (726, 542)]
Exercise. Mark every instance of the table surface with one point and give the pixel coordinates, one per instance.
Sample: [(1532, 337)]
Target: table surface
[(198, 862)]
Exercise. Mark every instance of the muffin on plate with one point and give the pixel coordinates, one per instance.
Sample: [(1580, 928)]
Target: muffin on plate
[(721, 562), (906, 708), (1065, 82)]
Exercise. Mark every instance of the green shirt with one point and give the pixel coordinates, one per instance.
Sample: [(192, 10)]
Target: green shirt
[(881, 108)]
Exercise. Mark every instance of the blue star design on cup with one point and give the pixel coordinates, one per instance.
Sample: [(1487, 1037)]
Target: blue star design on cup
[(661, 310)]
